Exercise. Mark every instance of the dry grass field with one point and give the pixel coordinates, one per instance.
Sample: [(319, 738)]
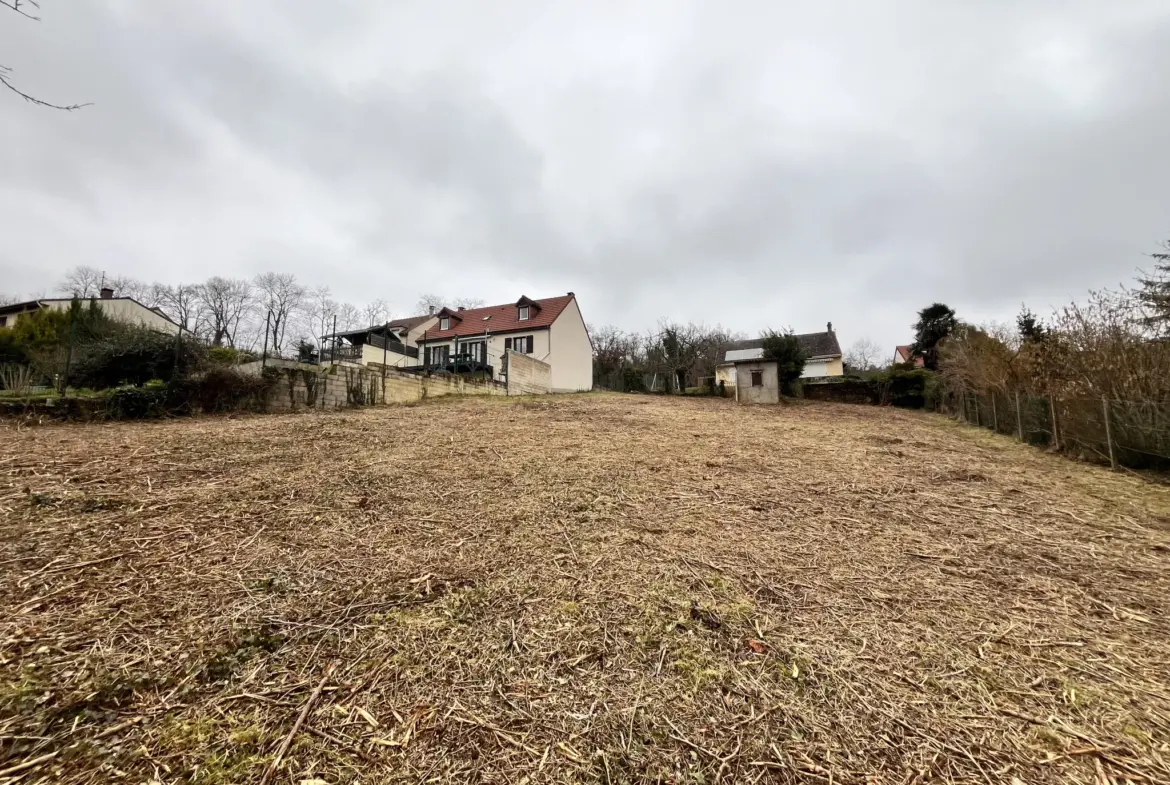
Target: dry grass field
[(600, 588)]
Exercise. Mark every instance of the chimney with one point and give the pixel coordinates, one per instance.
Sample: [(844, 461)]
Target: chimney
[(431, 310), (461, 307), (107, 293), (830, 327), (571, 294)]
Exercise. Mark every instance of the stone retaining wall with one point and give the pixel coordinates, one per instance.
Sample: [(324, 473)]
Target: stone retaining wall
[(527, 375), (304, 386)]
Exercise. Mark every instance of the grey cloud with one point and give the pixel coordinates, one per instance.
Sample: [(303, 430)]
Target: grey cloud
[(753, 164)]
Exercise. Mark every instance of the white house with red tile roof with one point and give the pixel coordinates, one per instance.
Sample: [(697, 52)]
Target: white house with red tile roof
[(905, 354), (551, 330)]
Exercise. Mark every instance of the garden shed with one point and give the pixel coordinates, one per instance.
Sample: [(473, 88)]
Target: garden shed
[(757, 381)]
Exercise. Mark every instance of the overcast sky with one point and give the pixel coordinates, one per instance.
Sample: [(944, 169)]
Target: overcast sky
[(770, 163)]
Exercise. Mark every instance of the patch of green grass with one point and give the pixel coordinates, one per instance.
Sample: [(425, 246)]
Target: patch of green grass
[(239, 651), (213, 752), (697, 665), (24, 694)]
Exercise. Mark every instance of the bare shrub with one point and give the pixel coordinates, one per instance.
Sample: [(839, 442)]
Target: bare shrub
[(16, 378)]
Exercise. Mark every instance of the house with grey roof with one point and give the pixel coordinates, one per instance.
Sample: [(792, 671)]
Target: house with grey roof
[(746, 359)]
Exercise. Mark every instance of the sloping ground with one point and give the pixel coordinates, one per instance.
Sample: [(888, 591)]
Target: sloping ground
[(577, 589)]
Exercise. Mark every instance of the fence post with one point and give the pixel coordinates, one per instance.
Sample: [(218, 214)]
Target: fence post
[(1019, 418), (978, 419), (1109, 433), (69, 352), (994, 414), (1055, 425), (385, 348), (178, 348), (264, 355)]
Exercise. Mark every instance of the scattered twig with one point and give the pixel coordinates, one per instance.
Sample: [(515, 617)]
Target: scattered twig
[(272, 767)]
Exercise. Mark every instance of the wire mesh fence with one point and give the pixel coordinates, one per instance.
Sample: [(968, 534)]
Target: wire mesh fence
[(1133, 434)]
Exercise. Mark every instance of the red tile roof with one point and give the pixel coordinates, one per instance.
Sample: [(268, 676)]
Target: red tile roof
[(498, 318), (906, 354)]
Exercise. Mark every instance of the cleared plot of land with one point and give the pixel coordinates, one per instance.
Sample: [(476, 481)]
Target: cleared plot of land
[(581, 589)]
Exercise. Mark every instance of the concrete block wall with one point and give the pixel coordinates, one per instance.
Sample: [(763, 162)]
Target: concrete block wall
[(527, 375), (336, 386)]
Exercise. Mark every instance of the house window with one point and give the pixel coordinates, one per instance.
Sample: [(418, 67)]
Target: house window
[(445, 323), (436, 355), (757, 378), (521, 345), (523, 313)]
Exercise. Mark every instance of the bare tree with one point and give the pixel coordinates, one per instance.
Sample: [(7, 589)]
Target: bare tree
[(125, 286), (181, 303), (863, 355), (321, 307), (223, 303), (282, 298), (675, 351), (349, 317), (428, 303), (83, 281), (8, 299), (613, 351), (23, 8), (376, 312)]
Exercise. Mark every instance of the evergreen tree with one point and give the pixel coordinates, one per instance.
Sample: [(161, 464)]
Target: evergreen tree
[(934, 325), (785, 348), (1155, 294)]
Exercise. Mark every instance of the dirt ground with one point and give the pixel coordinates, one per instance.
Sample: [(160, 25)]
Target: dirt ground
[(596, 588)]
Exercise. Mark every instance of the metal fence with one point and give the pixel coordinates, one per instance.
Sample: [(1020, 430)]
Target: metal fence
[(1119, 432)]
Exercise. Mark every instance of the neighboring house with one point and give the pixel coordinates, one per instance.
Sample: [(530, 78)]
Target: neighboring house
[(821, 349), (905, 354), (394, 343), (550, 330), (122, 309)]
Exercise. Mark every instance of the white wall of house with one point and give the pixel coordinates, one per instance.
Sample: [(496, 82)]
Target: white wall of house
[(414, 335), (830, 366), (10, 319), (815, 368), (540, 346), (123, 309), (496, 346), (571, 352), (375, 354)]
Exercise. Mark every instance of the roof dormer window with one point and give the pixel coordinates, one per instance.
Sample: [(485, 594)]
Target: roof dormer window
[(523, 313), (445, 323)]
